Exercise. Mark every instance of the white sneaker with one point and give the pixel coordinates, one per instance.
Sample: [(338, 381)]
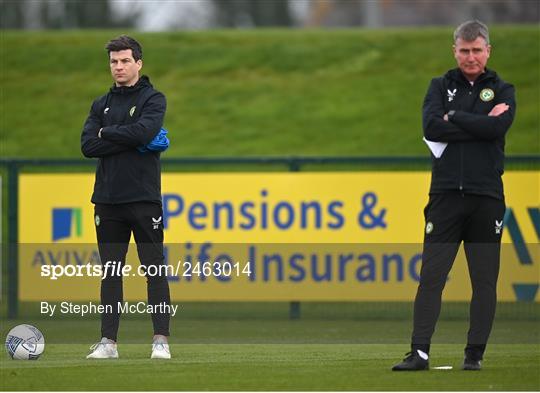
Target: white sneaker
[(160, 350), (105, 349)]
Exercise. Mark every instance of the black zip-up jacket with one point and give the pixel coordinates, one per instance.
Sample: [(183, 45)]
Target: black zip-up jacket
[(130, 117), (473, 161)]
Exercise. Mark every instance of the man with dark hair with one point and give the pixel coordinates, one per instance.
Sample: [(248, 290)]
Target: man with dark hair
[(122, 43), (127, 191), (466, 115)]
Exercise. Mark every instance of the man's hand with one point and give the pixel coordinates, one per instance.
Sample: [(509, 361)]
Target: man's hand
[(498, 109), (446, 116)]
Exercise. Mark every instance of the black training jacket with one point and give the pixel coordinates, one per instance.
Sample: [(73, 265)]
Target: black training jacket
[(130, 117), (473, 161)]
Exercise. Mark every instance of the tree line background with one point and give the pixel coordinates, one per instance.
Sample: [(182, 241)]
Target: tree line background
[(208, 14)]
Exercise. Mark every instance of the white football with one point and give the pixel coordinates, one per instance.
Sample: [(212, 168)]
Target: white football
[(25, 342)]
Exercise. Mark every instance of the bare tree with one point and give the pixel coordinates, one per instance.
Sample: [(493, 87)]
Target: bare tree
[(248, 13), (380, 13), (58, 14), (11, 14)]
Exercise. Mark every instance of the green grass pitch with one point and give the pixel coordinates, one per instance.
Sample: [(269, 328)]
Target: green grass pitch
[(276, 354)]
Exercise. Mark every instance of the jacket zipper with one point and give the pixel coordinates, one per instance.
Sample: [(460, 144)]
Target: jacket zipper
[(461, 154), (461, 167)]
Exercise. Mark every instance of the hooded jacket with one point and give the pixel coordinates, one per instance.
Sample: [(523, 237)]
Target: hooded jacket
[(473, 161), (130, 116)]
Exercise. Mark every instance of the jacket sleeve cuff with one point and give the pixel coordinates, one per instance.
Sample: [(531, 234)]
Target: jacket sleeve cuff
[(105, 131)]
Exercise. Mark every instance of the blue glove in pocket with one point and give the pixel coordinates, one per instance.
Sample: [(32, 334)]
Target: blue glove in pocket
[(160, 143)]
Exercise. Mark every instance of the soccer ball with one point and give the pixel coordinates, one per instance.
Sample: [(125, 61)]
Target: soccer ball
[(25, 342)]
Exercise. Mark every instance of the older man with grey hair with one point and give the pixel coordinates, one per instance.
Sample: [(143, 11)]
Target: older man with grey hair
[(466, 115)]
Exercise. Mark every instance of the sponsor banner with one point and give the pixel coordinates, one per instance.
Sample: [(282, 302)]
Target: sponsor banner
[(335, 236)]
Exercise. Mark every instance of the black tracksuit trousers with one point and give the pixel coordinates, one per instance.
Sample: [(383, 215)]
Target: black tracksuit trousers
[(452, 218), (114, 224)]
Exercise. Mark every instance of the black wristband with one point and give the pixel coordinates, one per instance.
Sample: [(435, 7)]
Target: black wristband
[(450, 114)]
